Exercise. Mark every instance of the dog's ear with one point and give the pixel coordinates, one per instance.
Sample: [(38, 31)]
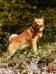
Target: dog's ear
[(35, 18), (42, 18)]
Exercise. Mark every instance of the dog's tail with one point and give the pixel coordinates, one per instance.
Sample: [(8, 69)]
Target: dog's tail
[(12, 36)]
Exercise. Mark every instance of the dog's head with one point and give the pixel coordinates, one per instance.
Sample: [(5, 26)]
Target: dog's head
[(39, 21), (38, 24)]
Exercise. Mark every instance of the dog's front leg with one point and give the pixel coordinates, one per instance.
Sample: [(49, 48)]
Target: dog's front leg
[(34, 45)]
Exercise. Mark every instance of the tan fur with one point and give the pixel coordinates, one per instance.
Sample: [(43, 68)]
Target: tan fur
[(32, 34)]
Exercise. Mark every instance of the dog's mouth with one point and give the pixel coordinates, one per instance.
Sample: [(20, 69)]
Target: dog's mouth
[(38, 26)]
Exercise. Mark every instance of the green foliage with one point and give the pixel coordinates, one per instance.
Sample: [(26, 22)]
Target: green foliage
[(16, 15), (14, 12), (50, 24)]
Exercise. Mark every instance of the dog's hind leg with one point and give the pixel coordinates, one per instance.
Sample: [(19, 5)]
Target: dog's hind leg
[(12, 48)]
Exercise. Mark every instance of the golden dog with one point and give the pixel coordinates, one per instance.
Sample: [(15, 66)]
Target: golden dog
[(32, 34)]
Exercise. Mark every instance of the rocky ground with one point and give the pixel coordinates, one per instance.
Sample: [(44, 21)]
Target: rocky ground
[(43, 63), (32, 65)]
